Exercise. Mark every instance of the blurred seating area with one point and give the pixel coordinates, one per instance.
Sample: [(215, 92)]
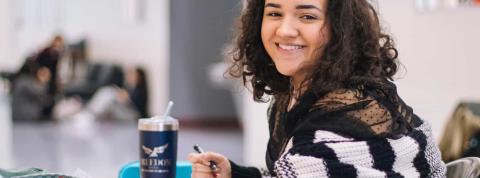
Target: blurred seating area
[(40, 92), (97, 75)]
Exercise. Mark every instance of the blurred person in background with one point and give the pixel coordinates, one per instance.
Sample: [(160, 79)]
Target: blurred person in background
[(112, 102), (29, 93), (49, 58), (461, 136), (335, 111), (136, 90)]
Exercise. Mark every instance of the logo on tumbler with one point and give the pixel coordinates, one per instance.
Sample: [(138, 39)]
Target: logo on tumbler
[(155, 151)]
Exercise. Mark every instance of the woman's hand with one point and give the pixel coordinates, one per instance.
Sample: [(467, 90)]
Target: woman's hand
[(201, 162)]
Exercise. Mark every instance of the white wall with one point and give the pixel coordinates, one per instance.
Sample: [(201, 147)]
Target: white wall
[(5, 121), (441, 54), (112, 37), (4, 32), (440, 51), (255, 130)]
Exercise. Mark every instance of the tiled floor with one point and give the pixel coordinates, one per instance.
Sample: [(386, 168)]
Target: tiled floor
[(100, 149)]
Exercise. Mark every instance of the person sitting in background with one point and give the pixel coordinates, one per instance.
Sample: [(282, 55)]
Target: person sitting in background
[(335, 111), (49, 58), (461, 136), (136, 90), (122, 103), (113, 102), (29, 93)]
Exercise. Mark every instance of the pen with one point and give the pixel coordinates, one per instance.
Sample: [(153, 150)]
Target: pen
[(213, 165)]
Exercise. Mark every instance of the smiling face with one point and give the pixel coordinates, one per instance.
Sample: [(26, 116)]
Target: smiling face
[(294, 33)]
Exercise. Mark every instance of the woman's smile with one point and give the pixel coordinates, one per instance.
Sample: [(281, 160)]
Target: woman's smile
[(289, 51), (289, 46)]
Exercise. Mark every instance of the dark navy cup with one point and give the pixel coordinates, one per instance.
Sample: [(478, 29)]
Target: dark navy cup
[(158, 147)]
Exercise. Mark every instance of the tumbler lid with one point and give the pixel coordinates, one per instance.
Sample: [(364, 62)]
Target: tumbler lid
[(157, 124)]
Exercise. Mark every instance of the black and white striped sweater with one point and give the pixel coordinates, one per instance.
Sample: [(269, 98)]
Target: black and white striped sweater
[(333, 155), (343, 141)]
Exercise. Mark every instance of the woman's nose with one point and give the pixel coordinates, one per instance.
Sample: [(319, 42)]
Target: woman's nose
[(287, 29)]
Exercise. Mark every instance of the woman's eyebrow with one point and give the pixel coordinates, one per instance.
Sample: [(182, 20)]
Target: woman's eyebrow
[(302, 6), (307, 6), (273, 5)]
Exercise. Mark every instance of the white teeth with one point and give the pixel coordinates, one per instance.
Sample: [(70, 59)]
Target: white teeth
[(289, 47)]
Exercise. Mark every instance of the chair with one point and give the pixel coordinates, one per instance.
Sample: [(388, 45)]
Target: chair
[(468, 167)]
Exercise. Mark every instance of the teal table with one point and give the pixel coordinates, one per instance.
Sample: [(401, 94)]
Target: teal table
[(132, 170)]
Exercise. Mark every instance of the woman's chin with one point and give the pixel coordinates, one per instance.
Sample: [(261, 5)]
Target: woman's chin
[(288, 69)]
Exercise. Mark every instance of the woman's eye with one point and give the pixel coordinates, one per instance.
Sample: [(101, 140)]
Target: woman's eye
[(308, 17), (274, 14)]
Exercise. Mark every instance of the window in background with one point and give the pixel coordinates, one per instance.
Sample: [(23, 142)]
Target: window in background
[(431, 5), (38, 13)]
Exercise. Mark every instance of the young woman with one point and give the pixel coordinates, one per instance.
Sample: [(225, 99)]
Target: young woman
[(335, 112)]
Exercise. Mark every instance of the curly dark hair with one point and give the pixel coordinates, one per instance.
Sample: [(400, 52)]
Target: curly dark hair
[(357, 52)]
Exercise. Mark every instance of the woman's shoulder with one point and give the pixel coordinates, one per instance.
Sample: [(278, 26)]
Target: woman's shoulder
[(338, 99), (375, 93), (354, 103), (358, 111)]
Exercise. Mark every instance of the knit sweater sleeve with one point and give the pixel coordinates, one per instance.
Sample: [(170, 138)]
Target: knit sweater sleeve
[(248, 172), (330, 154)]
